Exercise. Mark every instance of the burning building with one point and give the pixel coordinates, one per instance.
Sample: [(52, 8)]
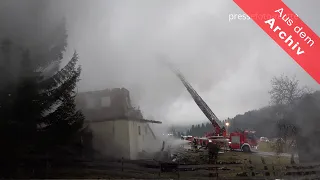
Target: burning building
[(119, 130)]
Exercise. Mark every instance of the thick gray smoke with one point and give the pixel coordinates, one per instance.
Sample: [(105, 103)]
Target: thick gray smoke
[(229, 63), (28, 23)]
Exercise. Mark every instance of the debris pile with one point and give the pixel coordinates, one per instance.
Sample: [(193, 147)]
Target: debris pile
[(189, 157)]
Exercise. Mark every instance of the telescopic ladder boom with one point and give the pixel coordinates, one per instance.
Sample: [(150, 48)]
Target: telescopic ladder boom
[(199, 101)]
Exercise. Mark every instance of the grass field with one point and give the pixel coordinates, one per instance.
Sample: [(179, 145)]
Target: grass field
[(254, 158), (265, 147), (254, 161)]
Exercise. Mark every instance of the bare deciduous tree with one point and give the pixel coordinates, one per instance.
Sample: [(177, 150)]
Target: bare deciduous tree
[(285, 91)]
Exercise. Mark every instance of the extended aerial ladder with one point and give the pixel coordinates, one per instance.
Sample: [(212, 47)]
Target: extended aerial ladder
[(218, 131)]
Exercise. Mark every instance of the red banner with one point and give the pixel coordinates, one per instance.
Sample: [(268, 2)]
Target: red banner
[(287, 30)]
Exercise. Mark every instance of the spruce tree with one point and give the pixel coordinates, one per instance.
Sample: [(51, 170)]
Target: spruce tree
[(62, 125), (38, 116)]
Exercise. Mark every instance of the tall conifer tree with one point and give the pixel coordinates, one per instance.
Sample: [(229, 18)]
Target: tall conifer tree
[(38, 116)]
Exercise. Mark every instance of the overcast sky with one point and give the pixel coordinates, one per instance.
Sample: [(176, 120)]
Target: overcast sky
[(230, 64)]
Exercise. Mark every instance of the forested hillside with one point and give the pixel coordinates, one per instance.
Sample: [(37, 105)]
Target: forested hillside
[(263, 120)]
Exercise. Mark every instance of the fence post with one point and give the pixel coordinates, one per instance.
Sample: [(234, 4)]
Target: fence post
[(252, 173), (242, 167), (159, 169), (267, 173), (47, 166), (122, 164), (245, 168), (178, 169), (273, 169), (217, 175)]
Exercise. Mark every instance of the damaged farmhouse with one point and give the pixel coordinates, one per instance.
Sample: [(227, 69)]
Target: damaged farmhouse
[(119, 130)]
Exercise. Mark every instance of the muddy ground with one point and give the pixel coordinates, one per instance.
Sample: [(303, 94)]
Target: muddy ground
[(192, 165)]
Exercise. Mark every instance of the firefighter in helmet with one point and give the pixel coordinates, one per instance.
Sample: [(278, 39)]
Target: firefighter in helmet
[(194, 143), (213, 150)]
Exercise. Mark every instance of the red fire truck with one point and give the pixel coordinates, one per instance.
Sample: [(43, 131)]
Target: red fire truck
[(245, 141)]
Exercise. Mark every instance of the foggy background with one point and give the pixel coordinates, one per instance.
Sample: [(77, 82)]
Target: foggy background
[(230, 64)]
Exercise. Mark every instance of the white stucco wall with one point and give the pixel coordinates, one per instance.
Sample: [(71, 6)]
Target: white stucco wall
[(121, 138), (145, 141), (111, 138), (150, 142), (135, 138)]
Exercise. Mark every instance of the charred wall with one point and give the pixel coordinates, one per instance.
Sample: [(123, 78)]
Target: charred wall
[(107, 104)]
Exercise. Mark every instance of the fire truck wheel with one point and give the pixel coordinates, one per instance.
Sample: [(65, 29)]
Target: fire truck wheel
[(246, 149)]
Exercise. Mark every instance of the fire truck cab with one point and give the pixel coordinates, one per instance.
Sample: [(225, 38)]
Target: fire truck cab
[(245, 141)]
